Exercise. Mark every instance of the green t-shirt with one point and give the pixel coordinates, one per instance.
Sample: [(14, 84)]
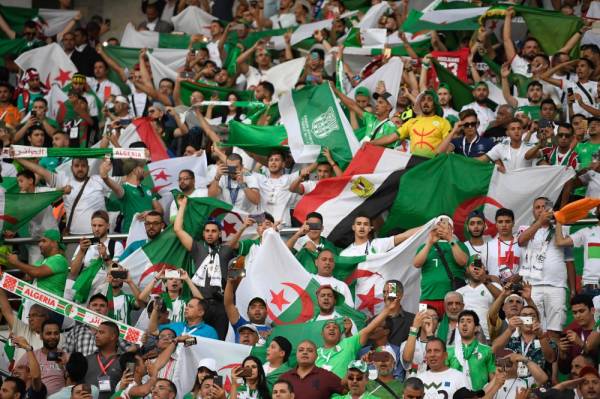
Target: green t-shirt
[(336, 359), (482, 362), (435, 283), (584, 153), (365, 395), (377, 390), (54, 283), (376, 128), (135, 199), (532, 110), (119, 395), (274, 375), (245, 245)]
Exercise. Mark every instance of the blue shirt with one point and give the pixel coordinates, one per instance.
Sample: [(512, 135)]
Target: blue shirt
[(199, 330), (479, 147), (241, 321), (132, 248)]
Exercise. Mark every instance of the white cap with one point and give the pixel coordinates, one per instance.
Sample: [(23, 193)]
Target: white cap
[(121, 99), (208, 363)]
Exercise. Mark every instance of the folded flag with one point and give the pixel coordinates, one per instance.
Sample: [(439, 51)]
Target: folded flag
[(13, 213), (51, 21), (141, 130)]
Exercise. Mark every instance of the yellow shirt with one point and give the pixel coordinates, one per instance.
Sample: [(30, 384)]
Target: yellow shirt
[(426, 134)]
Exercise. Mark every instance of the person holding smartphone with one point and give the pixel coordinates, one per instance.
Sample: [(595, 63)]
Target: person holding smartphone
[(123, 304), (255, 381)]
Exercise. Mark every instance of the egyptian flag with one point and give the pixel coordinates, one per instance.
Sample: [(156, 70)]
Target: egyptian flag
[(368, 186)]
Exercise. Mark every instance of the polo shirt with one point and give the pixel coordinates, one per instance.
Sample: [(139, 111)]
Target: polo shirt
[(374, 128), (337, 358), (482, 362), (479, 146), (112, 368), (199, 330), (54, 283), (318, 384)]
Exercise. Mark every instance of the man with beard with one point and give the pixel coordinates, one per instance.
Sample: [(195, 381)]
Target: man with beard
[(485, 115), (187, 186), (357, 377), (535, 95), (326, 301), (520, 64), (211, 259), (590, 386), (476, 244), (453, 305), (474, 359), (479, 293), (385, 381), (49, 358), (154, 225), (426, 131), (104, 368), (571, 389), (135, 198)]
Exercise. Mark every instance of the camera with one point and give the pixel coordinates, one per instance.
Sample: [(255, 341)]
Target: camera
[(477, 262), (172, 274), (516, 287), (231, 170), (120, 274), (95, 240)]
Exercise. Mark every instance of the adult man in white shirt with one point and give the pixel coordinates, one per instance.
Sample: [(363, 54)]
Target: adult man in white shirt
[(543, 266), (275, 195), (502, 253), (440, 381), (187, 185), (589, 239), (520, 64), (325, 263), (476, 244), (231, 184), (479, 293), (485, 115), (412, 351), (100, 84), (92, 199), (362, 245), (510, 154)]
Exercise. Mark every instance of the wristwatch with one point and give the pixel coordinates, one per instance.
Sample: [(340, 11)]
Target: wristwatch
[(243, 186)]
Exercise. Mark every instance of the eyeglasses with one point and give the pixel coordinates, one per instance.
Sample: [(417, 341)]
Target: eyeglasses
[(470, 124)]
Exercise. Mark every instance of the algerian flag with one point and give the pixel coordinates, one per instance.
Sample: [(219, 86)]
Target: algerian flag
[(14, 214), (444, 17), (373, 37), (467, 184), (54, 66), (227, 355), (371, 18), (187, 88), (52, 21), (141, 130), (313, 119), (166, 250), (461, 92), (390, 73), (257, 139), (147, 39), (161, 71), (273, 273), (285, 75), (193, 20), (396, 264), (301, 33), (163, 175)]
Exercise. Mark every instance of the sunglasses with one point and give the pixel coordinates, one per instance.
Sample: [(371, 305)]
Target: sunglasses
[(356, 379), (564, 135), (470, 124)]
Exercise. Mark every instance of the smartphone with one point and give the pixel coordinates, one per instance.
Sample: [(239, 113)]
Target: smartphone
[(314, 226), (218, 380), (527, 320), (545, 123), (236, 273), (246, 372), (258, 218), (570, 91), (477, 262), (130, 367), (95, 240), (392, 290), (172, 274), (422, 307), (86, 388), (379, 356), (190, 341), (231, 170), (121, 274), (54, 356)]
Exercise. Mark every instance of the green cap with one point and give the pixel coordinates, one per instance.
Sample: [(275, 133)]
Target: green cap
[(358, 365), (444, 86), (480, 83), (54, 235), (362, 91)]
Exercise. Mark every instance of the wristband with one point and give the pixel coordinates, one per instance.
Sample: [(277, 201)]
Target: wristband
[(413, 334), (414, 329)]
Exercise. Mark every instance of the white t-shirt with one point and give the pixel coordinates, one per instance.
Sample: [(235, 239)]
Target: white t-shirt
[(281, 21), (337, 285), (104, 87), (92, 200), (512, 158), (484, 114), (589, 239), (443, 384), (92, 252), (592, 179), (229, 187), (509, 252), (378, 245), (479, 299), (521, 66), (276, 197), (591, 88), (309, 186), (418, 357), (477, 249), (554, 270)]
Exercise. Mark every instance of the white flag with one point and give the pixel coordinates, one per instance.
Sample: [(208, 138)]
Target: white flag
[(53, 65)]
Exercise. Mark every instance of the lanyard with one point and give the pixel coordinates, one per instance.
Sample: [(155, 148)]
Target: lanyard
[(508, 253), (525, 349), (233, 192), (190, 332), (104, 368)]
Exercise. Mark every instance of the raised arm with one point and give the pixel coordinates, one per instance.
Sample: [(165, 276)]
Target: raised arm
[(193, 289), (510, 99), (233, 314), (509, 47), (6, 309), (377, 321), (186, 240), (33, 271), (111, 63), (105, 167), (348, 102), (37, 169)]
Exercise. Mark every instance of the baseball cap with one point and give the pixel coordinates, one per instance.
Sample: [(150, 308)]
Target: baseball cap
[(513, 296), (362, 91), (476, 214), (385, 95), (480, 83), (248, 326), (208, 363), (358, 365), (121, 99), (257, 299), (54, 235), (464, 393), (388, 349)]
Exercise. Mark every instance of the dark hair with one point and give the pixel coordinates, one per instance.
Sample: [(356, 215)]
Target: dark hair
[(50, 322), (505, 212), (414, 383), (537, 312), (81, 31), (235, 157), (41, 100), (167, 80), (316, 215), (261, 384), (590, 46), (127, 357), (471, 313), (441, 341), (26, 173), (98, 296), (189, 172), (76, 367), (172, 385), (588, 61), (268, 86), (30, 24), (579, 116), (20, 385), (566, 125), (466, 113), (534, 83), (6, 84), (276, 152), (288, 384), (531, 39), (514, 120), (547, 101), (362, 215), (582, 299), (113, 326), (155, 213), (269, 217), (102, 62), (101, 214), (399, 285)]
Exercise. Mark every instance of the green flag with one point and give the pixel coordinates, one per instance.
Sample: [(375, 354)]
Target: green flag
[(14, 214), (187, 88), (257, 139)]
